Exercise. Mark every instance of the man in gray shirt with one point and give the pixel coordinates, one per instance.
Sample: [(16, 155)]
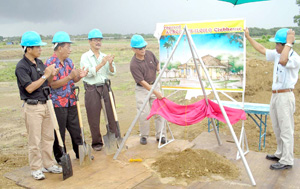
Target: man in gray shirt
[(143, 67)]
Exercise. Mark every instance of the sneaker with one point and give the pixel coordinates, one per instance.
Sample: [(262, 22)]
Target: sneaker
[(53, 169), (143, 140), (162, 141), (38, 175)]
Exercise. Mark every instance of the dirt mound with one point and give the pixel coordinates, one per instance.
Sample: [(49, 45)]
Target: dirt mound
[(192, 164)]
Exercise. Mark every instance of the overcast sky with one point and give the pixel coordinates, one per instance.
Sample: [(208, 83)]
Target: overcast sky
[(133, 16)]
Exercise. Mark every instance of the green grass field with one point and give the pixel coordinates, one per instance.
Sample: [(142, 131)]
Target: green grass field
[(11, 54)]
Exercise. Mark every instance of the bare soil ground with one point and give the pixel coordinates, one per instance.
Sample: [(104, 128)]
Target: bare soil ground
[(13, 137), (195, 164)]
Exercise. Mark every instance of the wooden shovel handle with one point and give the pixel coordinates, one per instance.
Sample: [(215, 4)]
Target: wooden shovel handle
[(111, 98), (113, 105), (79, 114), (78, 104), (54, 122), (76, 94), (47, 91)]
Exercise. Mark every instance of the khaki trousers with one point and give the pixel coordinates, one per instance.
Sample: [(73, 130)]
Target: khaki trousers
[(282, 109), (40, 135), (140, 95)]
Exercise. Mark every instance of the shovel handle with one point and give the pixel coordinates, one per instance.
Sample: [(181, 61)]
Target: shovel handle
[(79, 114), (76, 94), (111, 98), (112, 102), (55, 123), (78, 105), (108, 83), (47, 91)]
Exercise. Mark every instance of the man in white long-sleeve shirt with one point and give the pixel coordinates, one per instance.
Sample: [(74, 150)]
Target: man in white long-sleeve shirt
[(100, 67)]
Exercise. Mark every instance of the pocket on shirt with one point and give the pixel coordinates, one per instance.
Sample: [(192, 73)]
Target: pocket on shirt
[(281, 76)]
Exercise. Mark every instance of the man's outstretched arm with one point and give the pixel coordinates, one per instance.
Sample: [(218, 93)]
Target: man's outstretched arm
[(254, 43)]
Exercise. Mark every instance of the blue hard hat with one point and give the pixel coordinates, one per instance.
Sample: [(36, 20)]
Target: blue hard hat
[(61, 37), (280, 36), (31, 38), (95, 33), (137, 41)]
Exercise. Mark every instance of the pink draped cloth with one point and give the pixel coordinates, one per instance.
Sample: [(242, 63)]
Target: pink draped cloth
[(193, 113)]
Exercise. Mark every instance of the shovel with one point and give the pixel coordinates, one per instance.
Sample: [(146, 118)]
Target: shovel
[(65, 159), (109, 139), (112, 101), (84, 149)]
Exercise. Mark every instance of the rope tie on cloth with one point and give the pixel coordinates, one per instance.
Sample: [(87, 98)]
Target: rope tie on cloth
[(193, 113)]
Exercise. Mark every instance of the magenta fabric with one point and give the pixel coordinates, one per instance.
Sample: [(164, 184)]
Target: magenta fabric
[(193, 113)]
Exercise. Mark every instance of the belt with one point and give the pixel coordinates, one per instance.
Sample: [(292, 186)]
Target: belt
[(151, 83), (42, 101), (94, 85), (35, 102), (99, 85), (282, 90)]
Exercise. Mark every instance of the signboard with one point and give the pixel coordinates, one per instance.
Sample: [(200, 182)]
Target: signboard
[(221, 46)]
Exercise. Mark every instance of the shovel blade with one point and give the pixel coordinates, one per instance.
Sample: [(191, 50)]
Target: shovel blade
[(110, 142), (66, 166), (119, 141), (89, 150), (84, 154)]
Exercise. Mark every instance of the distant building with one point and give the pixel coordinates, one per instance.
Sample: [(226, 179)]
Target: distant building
[(215, 67)]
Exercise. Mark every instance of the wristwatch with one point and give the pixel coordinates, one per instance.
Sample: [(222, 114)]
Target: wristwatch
[(44, 77), (290, 45)]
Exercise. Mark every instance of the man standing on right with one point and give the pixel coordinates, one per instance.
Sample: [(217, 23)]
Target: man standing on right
[(143, 67), (282, 105)]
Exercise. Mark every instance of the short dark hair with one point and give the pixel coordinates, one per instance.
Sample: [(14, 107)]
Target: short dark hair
[(59, 45), (26, 48)]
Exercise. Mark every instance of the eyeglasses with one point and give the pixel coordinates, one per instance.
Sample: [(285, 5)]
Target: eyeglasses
[(141, 48), (97, 40)]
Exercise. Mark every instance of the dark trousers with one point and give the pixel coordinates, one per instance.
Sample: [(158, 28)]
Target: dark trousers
[(67, 118), (93, 109)]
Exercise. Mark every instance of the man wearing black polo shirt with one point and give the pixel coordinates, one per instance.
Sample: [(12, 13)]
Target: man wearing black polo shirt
[(31, 78), (143, 67)]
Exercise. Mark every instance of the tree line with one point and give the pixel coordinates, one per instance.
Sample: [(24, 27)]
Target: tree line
[(76, 37), (258, 32), (271, 32)]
